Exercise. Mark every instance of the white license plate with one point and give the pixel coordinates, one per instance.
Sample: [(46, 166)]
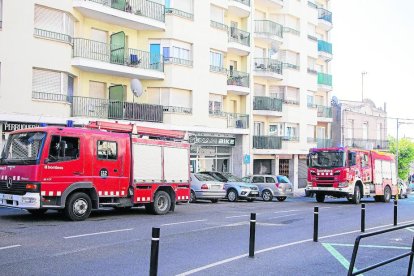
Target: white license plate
[(8, 197), (254, 193), (215, 187)]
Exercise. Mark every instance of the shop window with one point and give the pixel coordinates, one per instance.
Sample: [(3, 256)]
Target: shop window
[(63, 149), (107, 150)]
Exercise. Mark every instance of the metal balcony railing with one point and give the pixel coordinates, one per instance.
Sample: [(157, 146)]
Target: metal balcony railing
[(324, 111), (268, 65), (238, 78), (218, 25), (367, 143), (179, 61), (268, 27), (267, 103), (324, 46), (218, 69), (291, 30), (325, 15), (325, 79), (54, 97), (267, 142), (245, 2), (138, 7), (177, 109), (239, 36), (53, 35), (179, 13), (323, 143), (111, 109), (234, 120), (95, 50), (290, 66)]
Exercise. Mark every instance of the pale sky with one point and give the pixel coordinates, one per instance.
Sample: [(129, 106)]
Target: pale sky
[(376, 36)]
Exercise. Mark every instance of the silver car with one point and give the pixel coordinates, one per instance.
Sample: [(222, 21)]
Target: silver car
[(204, 186), (271, 186)]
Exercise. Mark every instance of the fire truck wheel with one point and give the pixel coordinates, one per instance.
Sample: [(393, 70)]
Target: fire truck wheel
[(387, 195), (162, 203), (78, 207), (37, 212), (357, 195), (320, 198)]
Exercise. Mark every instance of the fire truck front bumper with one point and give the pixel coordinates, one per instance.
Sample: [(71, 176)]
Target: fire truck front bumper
[(335, 191), (26, 201)]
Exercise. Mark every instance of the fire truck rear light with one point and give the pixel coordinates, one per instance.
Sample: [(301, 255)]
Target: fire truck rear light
[(204, 187), (31, 187)]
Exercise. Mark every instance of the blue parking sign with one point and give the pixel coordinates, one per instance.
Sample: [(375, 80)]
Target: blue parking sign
[(246, 159)]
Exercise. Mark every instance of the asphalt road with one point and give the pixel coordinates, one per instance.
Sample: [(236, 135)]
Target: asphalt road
[(206, 239)]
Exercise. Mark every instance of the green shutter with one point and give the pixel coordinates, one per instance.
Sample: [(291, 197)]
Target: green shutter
[(116, 101), (118, 48)]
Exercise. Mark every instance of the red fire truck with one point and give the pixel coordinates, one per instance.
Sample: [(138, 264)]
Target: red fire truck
[(103, 164), (351, 173)]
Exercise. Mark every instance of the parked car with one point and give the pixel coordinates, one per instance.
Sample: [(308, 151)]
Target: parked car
[(204, 186), (403, 188), (271, 186), (235, 188)]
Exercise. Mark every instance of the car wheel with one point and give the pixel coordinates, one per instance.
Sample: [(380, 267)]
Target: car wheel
[(78, 207), (251, 199), (267, 195), (193, 197), (387, 195), (37, 212), (356, 199), (232, 195), (281, 198), (215, 200), (320, 198)]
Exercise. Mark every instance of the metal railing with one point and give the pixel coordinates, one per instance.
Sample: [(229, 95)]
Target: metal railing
[(52, 35), (267, 142), (367, 143), (234, 120), (55, 97), (325, 15), (291, 30), (312, 71), (311, 140), (324, 111), (267, 103), (218, 69), (290, 138), (179, 13), (111, 109), (291, 66), (239, 36), (138, 7), (177, 109), (218, 25), (95, 50), (268, 65), (324, 79), (268, 27), (238, 78), (323, 143), (324, 46), (245, 2), (179, 61), (312, 5), (312, 37)]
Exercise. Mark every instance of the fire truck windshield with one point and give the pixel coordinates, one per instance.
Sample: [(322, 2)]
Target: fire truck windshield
[(327, 159), (23, 148)]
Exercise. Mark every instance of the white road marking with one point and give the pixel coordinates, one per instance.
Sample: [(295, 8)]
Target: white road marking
[(10, 246), (183, 222), (240, 216), (282, 216), (98, 233), (287, 211)]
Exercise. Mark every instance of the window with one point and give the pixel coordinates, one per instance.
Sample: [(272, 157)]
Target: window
[(275, 129), (310, 100), (1, 13), (216, 59), (259, 89), (258, 179), (51, 85), (215, 104), (312, 64), (99, 35), (258, 128), (217, 14), (107, 150), (182, 5), (365, 130), (364, 160), (53, 24), (97, 90), (174, 51), (63, 149), (169, 97), (270, 180), (180, 53)]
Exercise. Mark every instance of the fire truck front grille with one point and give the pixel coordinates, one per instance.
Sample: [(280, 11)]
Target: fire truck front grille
[(17, 188), (325, 184), (322, 178)]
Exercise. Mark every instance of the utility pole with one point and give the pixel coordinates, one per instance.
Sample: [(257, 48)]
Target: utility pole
[(363, 73), (396, 146)]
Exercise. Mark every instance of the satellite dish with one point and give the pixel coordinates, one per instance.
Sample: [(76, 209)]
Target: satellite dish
[(136, 87), (334, 101)]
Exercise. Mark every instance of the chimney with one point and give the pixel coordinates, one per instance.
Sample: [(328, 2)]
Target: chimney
[(385, 107)]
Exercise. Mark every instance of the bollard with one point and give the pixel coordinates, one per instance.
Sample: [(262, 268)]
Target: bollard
[(395, 212), (155, 243), (252, 234), (363, 217), (315, 223)]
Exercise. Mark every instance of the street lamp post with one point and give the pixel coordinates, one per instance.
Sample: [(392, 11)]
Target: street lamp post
[(362, 77)]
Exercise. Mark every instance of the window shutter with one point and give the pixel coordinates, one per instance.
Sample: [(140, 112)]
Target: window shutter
[(46, 81)]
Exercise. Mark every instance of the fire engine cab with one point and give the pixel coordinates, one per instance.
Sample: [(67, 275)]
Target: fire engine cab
[(103, 164)]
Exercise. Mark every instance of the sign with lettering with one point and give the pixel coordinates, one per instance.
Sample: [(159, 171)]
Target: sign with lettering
[(212, 140), (12, 126)]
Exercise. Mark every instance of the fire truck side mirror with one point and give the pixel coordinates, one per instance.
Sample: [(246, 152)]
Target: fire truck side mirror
[(307, 160)]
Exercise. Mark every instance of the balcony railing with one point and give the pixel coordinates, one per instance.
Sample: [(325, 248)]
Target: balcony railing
[(267, 142), (367, 143), (268, 65), (111, 109), (95, 50), (179, 61), (218, 25), (325, 79), (234, 120), (52, 35), (324, 111), (177, 109), (323, 143), (179, 13), (325, 15), (218, 69), (290, 66), (267, 103), (324, 46), (239, 36), (269, 28), (54, 97), (138, 7), (245, 2), (312, 5), (291, 30), (238, 78)]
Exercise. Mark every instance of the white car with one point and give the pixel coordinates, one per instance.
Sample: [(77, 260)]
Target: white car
[(204, 186)]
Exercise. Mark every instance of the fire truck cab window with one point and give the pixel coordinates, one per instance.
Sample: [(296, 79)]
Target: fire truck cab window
[(107, 150), (63, 149), (364, 160)]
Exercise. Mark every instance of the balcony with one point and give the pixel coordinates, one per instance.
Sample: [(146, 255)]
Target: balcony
[(271, 4), (324, 19), (134, 14), (324, 82), (323, 143), (324, 50), (240, 8), (267, 106), (219, 26), (238, 82), (234, 120), (98, 57), (268, 31), (179, 13), (324, 114), (177, 110), (239, 41), (267, 68), (267, 142), (367, 144), (117, 110), (53, 35)]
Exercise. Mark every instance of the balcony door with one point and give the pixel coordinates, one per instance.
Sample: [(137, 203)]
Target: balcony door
[(155, 57), (320, 133), (116, 98), (118, 48), (258, 128)]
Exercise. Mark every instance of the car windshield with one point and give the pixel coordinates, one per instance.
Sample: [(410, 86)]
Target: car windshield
[(327, 159), (231, 178), (282, 179), (23, 148), (204, 177)]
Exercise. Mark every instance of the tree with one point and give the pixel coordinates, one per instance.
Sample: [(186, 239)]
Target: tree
[(405, 155)]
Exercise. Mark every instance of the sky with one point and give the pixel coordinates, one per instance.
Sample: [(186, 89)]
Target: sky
[(375, 36)]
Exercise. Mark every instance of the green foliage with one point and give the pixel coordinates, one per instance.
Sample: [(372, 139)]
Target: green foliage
[(405, 155)]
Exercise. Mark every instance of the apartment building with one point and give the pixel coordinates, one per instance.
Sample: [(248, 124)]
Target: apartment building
[(241, 77), (359, 124)]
